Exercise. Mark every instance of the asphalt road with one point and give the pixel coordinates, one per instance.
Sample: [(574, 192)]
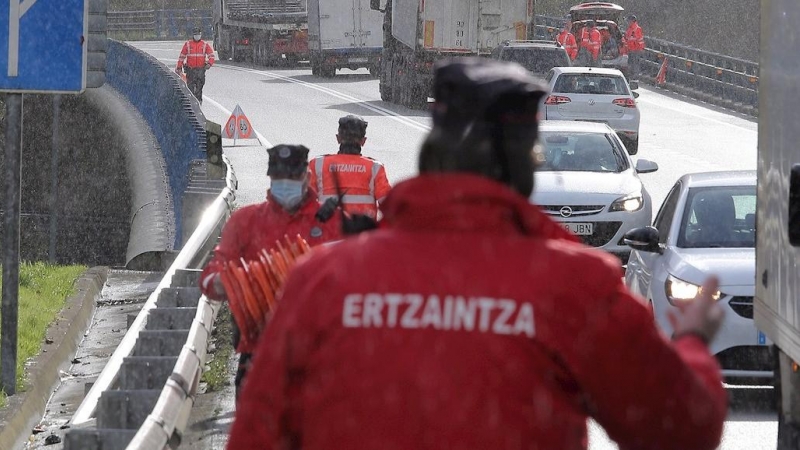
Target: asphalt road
[(292, 106)]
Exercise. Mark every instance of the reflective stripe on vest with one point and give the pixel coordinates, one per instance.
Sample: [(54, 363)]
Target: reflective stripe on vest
[(352, 199), (319, 164)]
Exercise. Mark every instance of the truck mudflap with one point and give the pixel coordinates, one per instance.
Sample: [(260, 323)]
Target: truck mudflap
[(324, 63)]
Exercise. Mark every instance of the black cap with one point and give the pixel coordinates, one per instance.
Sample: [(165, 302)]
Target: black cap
[(287, 160), (197, 30), (352, 128), (480, 89), (632, 18)]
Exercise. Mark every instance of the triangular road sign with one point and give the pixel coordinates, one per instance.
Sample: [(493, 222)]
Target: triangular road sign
[(238, 125)]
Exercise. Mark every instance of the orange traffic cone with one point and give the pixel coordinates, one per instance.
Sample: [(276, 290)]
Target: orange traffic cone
[(661, 78)]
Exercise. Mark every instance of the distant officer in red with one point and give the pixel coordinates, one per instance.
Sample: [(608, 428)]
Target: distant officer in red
[(470, 320), (291, 209), (196, 57), (634, 43), (362, 180), (590, 44), (567, 40)]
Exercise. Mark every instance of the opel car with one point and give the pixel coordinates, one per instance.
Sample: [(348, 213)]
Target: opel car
[(705, 226), (589, 183)]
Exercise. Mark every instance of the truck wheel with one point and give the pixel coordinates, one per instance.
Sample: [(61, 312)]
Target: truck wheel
[(328, 71), (315, 69), (374, 71)]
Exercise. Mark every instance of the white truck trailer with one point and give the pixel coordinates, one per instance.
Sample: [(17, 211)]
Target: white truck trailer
[(417, 33), (777, 299), (344, 34)]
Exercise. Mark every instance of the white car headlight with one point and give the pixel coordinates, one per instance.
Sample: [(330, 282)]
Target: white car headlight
[(682, 291), (629, 203)]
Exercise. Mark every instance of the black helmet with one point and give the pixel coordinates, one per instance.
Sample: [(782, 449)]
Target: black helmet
[(484, 121), (632, 18), (352, 129)]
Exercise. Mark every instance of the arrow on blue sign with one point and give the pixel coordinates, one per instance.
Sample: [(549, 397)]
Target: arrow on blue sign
[(42, 46)]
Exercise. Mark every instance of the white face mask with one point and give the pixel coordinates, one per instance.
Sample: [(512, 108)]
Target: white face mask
[(288, 193), (196, 37)]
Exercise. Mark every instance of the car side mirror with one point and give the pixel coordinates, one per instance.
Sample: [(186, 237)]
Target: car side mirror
[(643, 239), (646, 166), (635, 94)]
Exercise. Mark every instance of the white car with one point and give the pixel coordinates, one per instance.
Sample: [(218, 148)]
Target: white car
[(594, 95), (706, 226), (590, 184)]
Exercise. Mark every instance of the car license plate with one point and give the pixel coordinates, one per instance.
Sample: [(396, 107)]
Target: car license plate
[(579, 228), (762, 338), (357, 60)]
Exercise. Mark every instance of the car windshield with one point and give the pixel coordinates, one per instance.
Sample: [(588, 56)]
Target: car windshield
[(581, 152), (536, 60), (587, 83), (719, 217)]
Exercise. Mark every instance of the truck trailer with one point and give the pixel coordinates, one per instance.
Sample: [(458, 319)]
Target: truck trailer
[(344, 34), (777, 297), (419, 33), (264, 32)]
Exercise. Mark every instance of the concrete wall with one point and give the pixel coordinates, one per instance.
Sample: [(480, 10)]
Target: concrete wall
[(729, 27)]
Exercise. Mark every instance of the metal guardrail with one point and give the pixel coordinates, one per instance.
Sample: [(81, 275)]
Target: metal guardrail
[(138, 402), (711, 77), (159, 23)]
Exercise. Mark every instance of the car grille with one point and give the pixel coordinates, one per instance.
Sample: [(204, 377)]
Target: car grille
[(577, 210), (603, 233), (742, 306), (746, 357)]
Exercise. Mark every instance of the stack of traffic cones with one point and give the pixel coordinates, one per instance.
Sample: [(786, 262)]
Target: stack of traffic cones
[(252, 287)]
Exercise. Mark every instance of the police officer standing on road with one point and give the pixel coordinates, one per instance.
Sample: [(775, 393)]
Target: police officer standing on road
[(360, 179), (590, 44), (291, 209), (196, 57), (463, 321), (567, 40), (634, 43)]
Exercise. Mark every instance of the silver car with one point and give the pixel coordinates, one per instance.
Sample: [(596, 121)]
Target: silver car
[(590, 184), (594, 95), (706, 226)]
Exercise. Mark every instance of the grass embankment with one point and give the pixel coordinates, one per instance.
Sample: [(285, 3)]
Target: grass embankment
[(43, 291), (218, 374)]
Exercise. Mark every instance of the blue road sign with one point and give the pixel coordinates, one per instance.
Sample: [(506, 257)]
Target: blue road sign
[(43, 46)]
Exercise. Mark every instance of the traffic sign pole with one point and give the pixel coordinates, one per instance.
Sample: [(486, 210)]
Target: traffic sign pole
[(10, 244), (54, 177)]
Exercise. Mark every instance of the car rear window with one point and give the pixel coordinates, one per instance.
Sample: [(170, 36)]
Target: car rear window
[(537, 60), (579, 83), (719, 217), (581, 152)]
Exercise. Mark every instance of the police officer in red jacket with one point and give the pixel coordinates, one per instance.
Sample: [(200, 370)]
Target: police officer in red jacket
[(195, 58), (470, 320), (634, 43), (291, 209)]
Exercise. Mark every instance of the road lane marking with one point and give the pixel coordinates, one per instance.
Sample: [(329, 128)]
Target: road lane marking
[(698, 116), (340, 95), (261, 139)]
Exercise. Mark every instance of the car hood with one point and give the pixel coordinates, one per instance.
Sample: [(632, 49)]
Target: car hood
[(733, 266), (576, 188)]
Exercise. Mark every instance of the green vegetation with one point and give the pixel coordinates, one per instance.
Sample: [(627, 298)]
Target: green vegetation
[(43, 290), (218, 374)]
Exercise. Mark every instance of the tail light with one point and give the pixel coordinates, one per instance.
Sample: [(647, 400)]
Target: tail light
[(557, 100), (625, 102)]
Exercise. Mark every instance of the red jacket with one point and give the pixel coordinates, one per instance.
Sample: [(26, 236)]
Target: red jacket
[(195, 54), (256, 227), (362, 180), (634, 38), (592, 41), (567, 40), (472, 321)]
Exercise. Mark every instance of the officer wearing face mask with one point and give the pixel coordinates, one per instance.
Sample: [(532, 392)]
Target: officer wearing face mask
[(291, 209)]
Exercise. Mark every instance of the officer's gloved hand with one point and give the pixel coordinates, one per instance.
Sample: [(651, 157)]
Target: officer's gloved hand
[(358, 223), (207, 66)]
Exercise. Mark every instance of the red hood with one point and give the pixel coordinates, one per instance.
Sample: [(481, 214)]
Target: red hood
[(462, 202)]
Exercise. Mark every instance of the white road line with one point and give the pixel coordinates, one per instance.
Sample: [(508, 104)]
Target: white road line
[(698, 116), (342, 96), (261, 139)]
